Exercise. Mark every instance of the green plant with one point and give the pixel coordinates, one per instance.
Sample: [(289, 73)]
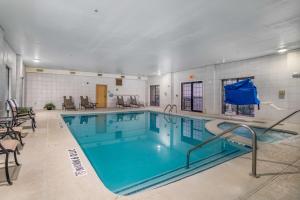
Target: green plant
[(23, 110), (49, 106)]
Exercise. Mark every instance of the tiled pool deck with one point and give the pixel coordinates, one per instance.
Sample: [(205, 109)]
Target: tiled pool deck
[(46, 172)]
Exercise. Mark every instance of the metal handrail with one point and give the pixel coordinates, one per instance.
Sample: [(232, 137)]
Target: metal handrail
[(169, 105), (173, 106), (254, 146), (283, 119)]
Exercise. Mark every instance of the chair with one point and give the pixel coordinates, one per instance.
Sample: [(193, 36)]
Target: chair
[(134, 102), (8, 146), (121, 103), (84, 102), (68, 104), (22, 110), (7, 129), (21, 117)]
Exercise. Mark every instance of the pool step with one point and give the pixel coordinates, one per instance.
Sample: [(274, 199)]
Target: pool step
[(181, 172)]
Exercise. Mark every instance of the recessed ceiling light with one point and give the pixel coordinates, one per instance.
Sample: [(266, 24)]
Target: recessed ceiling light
[(36, 60), (282, 50)]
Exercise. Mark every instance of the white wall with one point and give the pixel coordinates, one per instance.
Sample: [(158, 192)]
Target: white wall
[(165, 88), (7, 58), (272, 73), (42, 88)]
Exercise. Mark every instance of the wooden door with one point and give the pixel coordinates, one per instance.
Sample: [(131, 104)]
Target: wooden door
[(101, 96)]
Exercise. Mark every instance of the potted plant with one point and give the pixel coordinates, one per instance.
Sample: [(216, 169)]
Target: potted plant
[(49, 106)]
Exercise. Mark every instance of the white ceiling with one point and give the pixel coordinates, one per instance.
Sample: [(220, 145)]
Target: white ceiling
[(144, 36)]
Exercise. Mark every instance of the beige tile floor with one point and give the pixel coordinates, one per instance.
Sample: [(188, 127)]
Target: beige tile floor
[(46, 172)]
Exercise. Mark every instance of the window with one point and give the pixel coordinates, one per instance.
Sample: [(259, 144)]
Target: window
[(245, 110), (192, 96), (154, 95), (154, 122)]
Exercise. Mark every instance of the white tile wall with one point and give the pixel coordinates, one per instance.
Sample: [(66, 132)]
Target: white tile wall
[(272, 73), (42, 88)]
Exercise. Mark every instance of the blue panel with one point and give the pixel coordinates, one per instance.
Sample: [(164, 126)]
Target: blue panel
[(241, 93)]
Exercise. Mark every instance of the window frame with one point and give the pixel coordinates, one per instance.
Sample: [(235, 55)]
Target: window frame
[(223, 104)]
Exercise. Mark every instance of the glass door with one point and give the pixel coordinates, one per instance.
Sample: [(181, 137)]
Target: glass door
[(154, 95), (192, 96)]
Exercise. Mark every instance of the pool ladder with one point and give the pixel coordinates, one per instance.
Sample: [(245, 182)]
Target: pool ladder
[(254, 141), (171, 107), (254, 146)]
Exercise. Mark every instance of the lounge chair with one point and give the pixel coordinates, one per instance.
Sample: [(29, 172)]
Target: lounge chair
[(7, 129), (68, 104), (8, 146), (19, 118), (134, 102), (22, 110), (121, 103), (84, 102)]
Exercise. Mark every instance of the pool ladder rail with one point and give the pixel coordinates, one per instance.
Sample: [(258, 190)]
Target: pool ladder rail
[(254, 141), (171, 107), (254, 146)]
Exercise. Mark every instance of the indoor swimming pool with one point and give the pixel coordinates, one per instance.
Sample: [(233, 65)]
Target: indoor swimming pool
[(135, 151)]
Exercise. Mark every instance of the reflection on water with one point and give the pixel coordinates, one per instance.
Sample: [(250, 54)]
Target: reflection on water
[(84, 119), (168, 129), (69, 119)]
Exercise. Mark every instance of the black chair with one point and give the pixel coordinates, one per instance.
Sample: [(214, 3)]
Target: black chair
[(84, 102), (68, 104), (21, 117), (6, 147), (22, 110), (7, 130), (135, 103), (121, 103)]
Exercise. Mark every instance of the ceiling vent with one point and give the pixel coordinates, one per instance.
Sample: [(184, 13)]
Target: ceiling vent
[(100, 74), (73, 73), (39, 70)]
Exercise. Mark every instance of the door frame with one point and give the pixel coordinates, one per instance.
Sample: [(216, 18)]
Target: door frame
[(181, 95), (156, 88), (105, 95)]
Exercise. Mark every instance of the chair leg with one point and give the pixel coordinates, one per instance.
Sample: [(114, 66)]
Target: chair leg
[(34, 122), (15, 155), (6, 169), (32, 125), (20, 137)]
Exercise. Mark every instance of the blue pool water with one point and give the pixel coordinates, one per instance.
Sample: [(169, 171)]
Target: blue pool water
[(270, 137), (131, 152)]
